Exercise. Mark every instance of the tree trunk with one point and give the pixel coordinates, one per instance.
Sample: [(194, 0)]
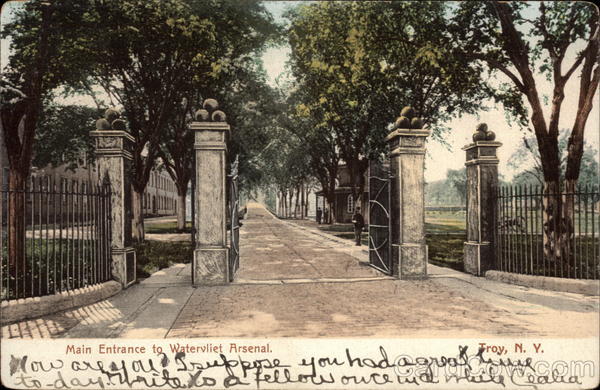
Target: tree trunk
[(181, 211), (278, 203), (280, 207), (331, 214), (306, 201), (292, 210), (559, 232), (16, 230), (303, 202), (137, 228), (297, 202), (281, 204), (551, 226)]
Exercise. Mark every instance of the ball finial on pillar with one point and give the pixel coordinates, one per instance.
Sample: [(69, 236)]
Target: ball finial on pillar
[(103, 124), (402, 122), (408, 119), (483, 134), (210, 112), (111, 114), (111, 121), (210, 105), (218, 116), (202, 115), (119, 124)]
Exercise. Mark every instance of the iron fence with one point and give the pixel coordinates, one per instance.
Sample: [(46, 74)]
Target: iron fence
[(548, 233), (54, 237)]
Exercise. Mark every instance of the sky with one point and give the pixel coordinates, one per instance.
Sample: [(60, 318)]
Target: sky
[(439, 158)]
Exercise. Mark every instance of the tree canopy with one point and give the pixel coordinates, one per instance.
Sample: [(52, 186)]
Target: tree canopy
[(520, 41), (48, 48), (359, 63)]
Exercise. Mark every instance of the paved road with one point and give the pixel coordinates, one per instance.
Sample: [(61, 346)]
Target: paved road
[(273, 249), (297, 281)]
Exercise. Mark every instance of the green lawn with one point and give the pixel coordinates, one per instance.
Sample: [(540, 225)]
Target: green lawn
[(156, 255), (445, 237), (446, 250), (166, 228), (445, 222)]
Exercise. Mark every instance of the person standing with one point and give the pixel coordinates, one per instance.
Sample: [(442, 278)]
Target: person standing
[(359, 224), (319, 215), (326, 215)]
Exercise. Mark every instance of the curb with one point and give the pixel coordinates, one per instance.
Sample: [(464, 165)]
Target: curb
[(27, 308), (577, 286)]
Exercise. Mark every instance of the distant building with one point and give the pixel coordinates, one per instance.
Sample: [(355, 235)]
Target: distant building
[(344, 201), (160, 197)]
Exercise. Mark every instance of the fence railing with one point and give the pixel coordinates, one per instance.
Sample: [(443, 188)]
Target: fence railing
[(569, 220), (54, 237)]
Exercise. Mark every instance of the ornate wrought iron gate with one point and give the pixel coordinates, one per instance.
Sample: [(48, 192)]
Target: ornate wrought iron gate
[(234, 221), (379, 218)]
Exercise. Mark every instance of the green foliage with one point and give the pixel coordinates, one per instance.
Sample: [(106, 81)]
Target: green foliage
[(146, 53), (62, 135), (237, 80), (315, 151), (358, 63), (47, 42), (68, 57), (382, 56), (253, 109)]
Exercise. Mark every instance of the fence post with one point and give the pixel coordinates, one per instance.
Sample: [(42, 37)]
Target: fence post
[(482, 183), (407, 164), (113, 160), (211, 255)]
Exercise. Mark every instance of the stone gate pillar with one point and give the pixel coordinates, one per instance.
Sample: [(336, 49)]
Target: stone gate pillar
[(482, 184), (407, 163), (113, 162), (211, 256)]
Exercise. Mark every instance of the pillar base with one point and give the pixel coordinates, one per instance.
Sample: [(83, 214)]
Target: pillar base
[(478, 258), (411, 261), (124, 264), (210, 266)]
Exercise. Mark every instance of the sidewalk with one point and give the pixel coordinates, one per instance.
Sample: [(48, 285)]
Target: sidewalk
[(293, 282)]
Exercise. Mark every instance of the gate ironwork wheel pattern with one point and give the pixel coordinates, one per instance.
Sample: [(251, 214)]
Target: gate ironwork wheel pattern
[(379, 218), (234, 221)]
